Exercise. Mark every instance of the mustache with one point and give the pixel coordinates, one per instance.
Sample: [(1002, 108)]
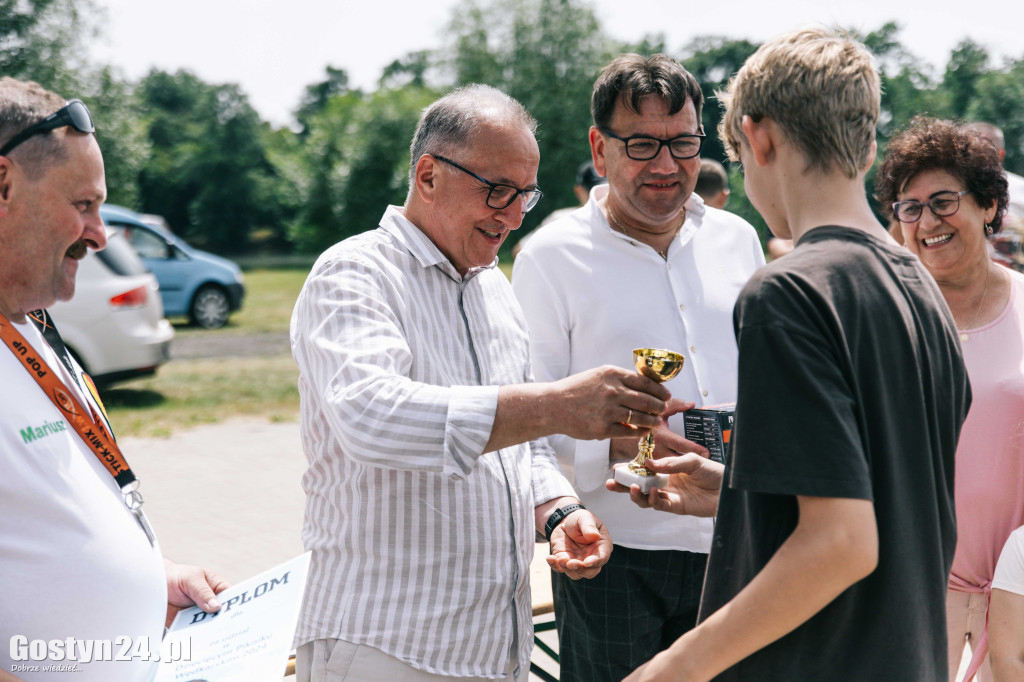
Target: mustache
[(78, 250)]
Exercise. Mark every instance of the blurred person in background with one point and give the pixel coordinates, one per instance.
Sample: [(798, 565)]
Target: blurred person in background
[(946, 187), (586, 179), (1008, 243), (712, 183), (77, 556), (1014, 182), (645, 264)]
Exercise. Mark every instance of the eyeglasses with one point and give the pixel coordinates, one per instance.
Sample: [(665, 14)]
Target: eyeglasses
[(74, 114), (645, 147), (500, 195), (942, 204)]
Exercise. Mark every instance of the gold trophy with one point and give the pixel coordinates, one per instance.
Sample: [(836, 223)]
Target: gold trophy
[(657, 365)]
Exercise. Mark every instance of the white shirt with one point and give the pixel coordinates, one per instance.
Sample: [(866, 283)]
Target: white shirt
[(74, 562), (1016, 190), (1009, 574), (421, 544), (591, 295)]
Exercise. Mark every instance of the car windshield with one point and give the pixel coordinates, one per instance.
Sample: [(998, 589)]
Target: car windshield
[(120, 257)]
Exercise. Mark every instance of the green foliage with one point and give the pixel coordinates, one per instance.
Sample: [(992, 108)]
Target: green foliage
[(198, 153), (546, 54), (377, 156), (410, 70), (319, 94), (41, 40), (122, 136), (740, 205), (354, 161), (207, 163), (713, 60), (1000, 99), (966, 65)]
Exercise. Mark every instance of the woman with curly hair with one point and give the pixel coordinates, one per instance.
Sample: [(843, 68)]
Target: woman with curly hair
[(946, 187)]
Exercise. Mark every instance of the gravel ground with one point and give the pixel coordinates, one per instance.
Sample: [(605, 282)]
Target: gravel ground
[(195, 345), (227, 497)]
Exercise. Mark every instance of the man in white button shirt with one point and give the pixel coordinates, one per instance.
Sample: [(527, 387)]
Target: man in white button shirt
[(644, 264), (429, 472)]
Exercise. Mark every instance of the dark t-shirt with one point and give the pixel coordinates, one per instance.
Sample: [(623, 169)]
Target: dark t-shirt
[(851, 385)]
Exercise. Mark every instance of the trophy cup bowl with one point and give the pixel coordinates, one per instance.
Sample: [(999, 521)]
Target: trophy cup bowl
[(657, 365)]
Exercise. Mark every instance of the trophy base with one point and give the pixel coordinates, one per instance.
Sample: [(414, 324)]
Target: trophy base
[(624, 476)]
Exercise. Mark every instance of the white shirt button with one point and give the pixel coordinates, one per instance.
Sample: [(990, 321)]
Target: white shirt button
[(682, 308), (704, 393), (693, 349)]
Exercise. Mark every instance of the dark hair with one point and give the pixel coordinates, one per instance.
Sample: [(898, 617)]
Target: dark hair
[(587, 177), (934, 144), (712, 178), (630, 78)]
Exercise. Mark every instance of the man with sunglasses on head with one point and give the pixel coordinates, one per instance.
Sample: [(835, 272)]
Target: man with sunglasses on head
[(430, 475), (646, 263), (78, 559)]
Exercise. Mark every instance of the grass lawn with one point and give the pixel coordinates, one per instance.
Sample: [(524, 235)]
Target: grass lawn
[(188, 392), (269, 298)]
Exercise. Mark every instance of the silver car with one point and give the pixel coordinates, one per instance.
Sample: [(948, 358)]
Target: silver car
[(114, 325)]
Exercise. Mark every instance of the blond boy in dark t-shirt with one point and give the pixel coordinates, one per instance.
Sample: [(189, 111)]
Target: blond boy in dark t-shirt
[(835, 528)]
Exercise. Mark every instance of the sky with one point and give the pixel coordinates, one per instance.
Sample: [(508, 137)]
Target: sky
[(274, 48)]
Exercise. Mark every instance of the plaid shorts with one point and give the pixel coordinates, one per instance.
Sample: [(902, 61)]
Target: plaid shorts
[(640, 602)]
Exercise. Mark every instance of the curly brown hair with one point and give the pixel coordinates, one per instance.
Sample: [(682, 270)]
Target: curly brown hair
[(934, 144)]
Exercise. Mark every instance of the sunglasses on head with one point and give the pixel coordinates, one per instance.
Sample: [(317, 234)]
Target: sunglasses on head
[(74, 114)]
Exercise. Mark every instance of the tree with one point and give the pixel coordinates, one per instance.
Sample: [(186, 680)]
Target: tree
[(352, 162), (376, 154), (207, 164), (319, 94), (713, 60), (409, 70), (966, 65), (42, 40), (546, 54), (121, 134), (907, 85), (320, 179), (999, 94)]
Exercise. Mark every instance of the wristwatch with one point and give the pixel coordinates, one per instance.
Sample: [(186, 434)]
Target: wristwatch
[(557, 517)]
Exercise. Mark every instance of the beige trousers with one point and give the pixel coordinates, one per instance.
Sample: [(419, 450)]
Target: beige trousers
[(965, 621)]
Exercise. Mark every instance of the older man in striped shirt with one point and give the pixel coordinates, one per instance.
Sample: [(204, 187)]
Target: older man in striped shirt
[(429, 471)]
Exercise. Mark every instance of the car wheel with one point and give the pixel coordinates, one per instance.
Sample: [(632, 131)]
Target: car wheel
[(210, 307)]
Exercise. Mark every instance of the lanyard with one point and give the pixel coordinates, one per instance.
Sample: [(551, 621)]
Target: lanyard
[(89, 426), (44, 323)]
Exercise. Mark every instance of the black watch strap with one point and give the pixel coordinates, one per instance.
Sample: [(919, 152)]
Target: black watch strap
[(557, 517)]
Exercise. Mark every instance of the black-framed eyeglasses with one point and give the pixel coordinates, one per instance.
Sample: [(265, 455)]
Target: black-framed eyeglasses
[(74, 114), (941, 204), (645, 147), (500, 195)]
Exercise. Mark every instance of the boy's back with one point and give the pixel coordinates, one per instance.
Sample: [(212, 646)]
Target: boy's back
[(854, 333)]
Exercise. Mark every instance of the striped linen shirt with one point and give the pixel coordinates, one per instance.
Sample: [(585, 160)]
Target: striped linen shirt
[(421, 544)]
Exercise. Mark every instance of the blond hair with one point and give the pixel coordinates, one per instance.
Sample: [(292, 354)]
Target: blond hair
[(820, 88)]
